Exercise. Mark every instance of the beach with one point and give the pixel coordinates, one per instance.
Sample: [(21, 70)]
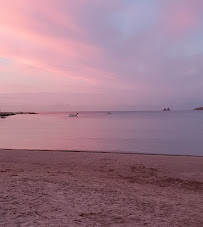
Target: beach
[(54, 188)]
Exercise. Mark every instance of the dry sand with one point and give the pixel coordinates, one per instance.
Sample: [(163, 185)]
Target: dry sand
[(47, 188)]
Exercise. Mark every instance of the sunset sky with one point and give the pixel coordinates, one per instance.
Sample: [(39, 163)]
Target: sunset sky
[(101, 54)]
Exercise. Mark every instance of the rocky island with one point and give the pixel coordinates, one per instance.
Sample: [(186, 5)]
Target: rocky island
[(198, 108), (168, 109)]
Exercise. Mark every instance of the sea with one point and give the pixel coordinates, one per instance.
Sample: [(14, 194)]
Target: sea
[(154, 132)]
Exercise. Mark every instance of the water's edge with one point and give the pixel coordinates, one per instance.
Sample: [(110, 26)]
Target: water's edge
[(102, 152)]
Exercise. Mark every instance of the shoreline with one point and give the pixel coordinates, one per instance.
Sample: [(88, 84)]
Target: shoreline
[(101, 152)]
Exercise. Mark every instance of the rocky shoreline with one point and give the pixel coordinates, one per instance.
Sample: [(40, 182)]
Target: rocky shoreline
[(6, 114)]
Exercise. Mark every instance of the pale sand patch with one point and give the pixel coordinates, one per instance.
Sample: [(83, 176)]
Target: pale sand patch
[(47, 188)]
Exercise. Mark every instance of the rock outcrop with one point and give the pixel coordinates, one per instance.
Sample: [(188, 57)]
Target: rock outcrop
[(168, 109)]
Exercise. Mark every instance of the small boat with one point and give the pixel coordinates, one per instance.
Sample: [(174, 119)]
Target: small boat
[(3, 116), (108, 112), (73, 115)]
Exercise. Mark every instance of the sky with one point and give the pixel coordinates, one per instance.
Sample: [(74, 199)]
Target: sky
[(61, 55)]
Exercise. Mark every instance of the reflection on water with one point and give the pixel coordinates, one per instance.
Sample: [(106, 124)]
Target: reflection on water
[(172, 132)]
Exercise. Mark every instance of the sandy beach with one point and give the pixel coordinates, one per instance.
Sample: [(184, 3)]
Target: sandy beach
[(50, 188)]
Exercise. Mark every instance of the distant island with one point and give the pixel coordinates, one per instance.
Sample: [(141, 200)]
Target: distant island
[(198, 108)]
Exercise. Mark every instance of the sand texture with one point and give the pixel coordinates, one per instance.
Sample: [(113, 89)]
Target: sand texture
[(47, 188)]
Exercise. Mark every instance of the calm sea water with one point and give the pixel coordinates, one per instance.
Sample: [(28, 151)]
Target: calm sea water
[(172, 132)]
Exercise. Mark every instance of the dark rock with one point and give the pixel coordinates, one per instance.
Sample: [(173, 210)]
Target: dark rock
[(168, 109)]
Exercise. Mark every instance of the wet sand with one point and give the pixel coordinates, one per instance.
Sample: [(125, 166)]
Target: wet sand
[(49, 188)]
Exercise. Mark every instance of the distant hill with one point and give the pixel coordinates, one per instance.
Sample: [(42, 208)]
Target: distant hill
[(198, 108)]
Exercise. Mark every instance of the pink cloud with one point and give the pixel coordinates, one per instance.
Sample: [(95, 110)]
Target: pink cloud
[(84, 41), (29, 42), (56, 41), (181, 16)]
